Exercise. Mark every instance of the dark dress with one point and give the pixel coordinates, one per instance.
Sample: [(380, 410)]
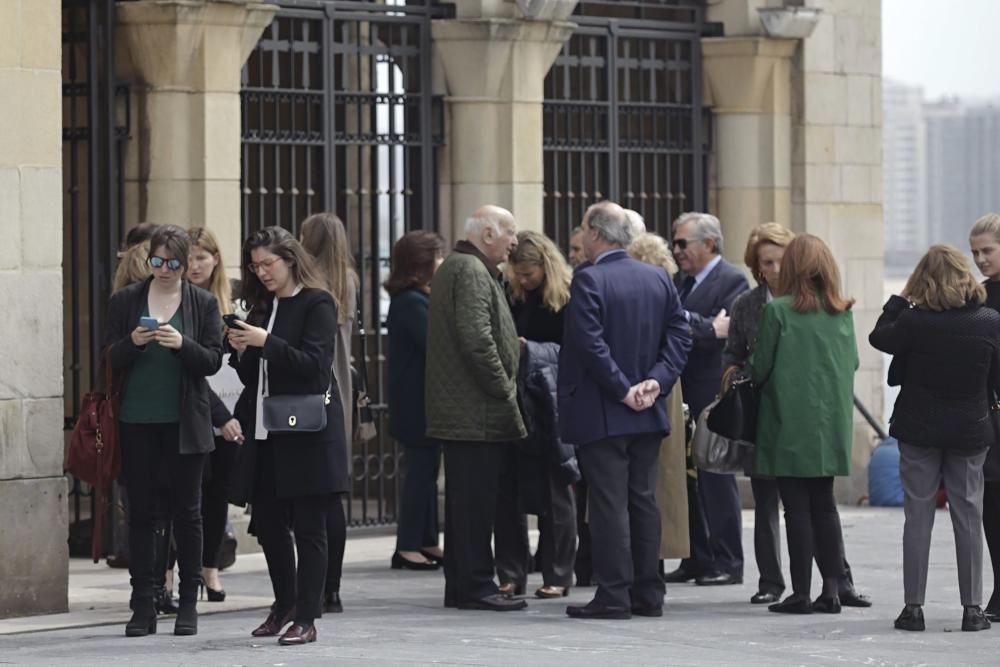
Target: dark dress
[(991, 491), (418, 515)]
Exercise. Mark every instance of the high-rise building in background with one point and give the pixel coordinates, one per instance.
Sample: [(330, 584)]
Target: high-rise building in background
[(904, 176), (941, 171)]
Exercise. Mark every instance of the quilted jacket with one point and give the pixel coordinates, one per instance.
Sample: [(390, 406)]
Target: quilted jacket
[(472, 353)]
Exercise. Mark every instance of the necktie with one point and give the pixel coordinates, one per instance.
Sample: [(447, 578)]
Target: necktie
[(686, 287)]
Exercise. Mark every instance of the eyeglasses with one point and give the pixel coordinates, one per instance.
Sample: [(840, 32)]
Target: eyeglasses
[(266, 264), (157, 262), (682, 244)]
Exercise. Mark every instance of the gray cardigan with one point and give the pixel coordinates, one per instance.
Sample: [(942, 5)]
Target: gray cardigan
[(743, 323)]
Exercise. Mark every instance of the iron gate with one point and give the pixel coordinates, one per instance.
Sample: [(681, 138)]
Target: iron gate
[(95, 129), (623, 116), (338, 115)]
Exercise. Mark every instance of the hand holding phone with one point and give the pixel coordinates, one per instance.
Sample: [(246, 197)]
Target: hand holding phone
[(150, 323), (231, 321)]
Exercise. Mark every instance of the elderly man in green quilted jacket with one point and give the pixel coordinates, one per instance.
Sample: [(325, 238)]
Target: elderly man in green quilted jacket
[(471, 400)]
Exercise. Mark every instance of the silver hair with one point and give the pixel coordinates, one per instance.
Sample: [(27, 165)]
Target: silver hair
[(610, 222), (636, 225), (706, 226), (476, 225)]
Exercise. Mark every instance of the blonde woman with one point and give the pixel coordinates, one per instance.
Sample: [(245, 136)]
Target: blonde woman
[(323, 236), (207, 270), (547, 467), (946, 360), (132, 264), (672, 481)]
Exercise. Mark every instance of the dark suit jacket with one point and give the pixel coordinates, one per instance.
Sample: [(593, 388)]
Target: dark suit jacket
[(702, 376), (299, 354), (200, 353), (624, 324)]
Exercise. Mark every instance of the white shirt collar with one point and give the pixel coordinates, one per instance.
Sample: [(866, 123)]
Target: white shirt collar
[(707, 270)]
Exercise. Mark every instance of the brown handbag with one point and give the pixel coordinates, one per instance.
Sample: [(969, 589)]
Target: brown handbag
[(95, 451)]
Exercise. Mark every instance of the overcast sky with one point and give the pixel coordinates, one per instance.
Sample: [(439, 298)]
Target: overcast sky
[(950, 47)]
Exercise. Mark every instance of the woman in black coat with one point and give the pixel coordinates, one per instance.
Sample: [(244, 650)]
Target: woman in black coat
[(545, 467), (415, 258), (286, 349), (164, 419), (946, 360)]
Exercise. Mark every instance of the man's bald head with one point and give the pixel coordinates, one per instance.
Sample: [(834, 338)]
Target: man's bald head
[(493, 231)]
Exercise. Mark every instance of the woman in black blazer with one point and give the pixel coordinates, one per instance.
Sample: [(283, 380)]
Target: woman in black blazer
[(288, 477), (164, 419)]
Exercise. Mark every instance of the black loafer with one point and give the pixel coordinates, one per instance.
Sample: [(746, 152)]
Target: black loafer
[(651, 612), (792, 605), (678, 576), (495, 602), (851, 598), (723, 579), (765, 597), (822, 605), (973, 619), (599, 611), (911, 618)]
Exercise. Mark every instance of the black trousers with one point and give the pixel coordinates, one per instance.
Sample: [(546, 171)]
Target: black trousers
[(510, 527), (624, 519), (716, 526), (812, 524), (162, 485), (336, 542), (472, 477), (215, 498), (418, 512), (991, 526), (557, 536)]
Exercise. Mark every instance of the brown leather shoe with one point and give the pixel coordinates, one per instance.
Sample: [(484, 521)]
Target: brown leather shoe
[(298, 634), (549, 592), (273, 624)]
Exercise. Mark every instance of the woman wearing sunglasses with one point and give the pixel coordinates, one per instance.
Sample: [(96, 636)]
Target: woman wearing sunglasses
[(166, 334)]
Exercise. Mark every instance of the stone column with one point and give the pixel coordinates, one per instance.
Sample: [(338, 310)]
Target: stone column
[(748, 87), (495, 61), (33, 508), (186, 57)]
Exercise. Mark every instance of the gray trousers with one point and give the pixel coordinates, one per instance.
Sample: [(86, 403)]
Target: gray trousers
[(921, 470)]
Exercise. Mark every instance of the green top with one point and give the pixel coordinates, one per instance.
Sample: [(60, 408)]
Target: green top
[(152, 393), (804, 364)]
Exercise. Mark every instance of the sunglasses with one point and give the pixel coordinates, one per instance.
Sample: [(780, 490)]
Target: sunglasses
[(157, 262), (682, 244)]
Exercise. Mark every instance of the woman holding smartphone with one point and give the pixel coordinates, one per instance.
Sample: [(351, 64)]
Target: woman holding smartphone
[(206, 270), (166, 334), (285, 350)]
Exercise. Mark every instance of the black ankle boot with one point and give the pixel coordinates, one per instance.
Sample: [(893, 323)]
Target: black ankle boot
[(143, 621), (162, 598), (187, 619)]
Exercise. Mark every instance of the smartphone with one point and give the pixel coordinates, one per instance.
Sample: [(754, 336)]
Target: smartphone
[(231, 321), (150, 323)]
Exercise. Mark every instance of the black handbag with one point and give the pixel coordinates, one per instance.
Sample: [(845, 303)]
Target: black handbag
[(715, 453), (364, 417), (991, 467), (735, 414), (294, 413)]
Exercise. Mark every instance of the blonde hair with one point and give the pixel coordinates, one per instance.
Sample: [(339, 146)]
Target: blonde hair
[(537, 250), (218, 283), (768, 232), (988, 224), (943, 280), (323, 236), (650, 248), (133, 266), (809, 275)]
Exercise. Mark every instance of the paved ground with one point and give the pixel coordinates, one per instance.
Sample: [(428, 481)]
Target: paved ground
[(396, 618)]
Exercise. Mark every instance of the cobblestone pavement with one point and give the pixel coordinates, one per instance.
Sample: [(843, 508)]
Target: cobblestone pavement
[(396, 618)]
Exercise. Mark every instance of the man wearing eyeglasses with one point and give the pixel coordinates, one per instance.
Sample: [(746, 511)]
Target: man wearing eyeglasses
[(708, 285)]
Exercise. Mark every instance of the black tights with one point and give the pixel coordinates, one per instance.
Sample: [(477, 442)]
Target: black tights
[(991, 525), (811, 517), (336, 538)]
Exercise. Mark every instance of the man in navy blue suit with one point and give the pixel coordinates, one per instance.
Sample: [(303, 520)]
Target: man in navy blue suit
[(625, 344), (708, 286)]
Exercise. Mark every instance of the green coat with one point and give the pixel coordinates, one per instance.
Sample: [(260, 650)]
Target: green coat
[(804, 365), (472, 354)]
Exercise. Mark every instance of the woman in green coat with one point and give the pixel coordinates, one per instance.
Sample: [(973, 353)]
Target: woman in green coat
[(804, 363)]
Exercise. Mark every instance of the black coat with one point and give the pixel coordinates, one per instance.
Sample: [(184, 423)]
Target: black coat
[(200, 353), (543, 452), (299, 354), (947, 365), (407, 325)]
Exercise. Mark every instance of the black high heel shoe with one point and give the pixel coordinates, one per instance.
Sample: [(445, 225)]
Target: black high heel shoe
[(213, 595), (400, 563)]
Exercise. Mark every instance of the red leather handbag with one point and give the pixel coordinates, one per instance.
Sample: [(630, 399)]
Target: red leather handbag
[(94, 449)]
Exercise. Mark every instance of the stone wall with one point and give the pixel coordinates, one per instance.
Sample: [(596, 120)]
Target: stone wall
[(33, 507)]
